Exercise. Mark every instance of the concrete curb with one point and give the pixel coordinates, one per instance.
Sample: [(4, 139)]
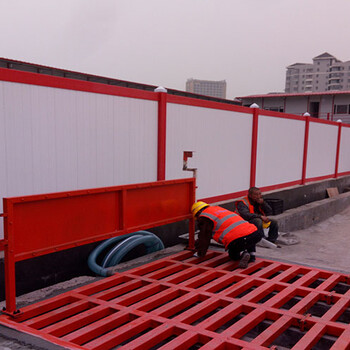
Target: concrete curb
[(312, 213)]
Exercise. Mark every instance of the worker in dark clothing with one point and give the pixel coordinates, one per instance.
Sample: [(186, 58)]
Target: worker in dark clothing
[(226, 227), (255, 210)]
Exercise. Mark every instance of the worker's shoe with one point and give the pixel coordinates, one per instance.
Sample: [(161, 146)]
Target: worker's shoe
[(243, 263), (252, 258)]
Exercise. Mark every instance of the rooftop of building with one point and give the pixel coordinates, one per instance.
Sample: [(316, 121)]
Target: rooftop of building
[(302, 94)]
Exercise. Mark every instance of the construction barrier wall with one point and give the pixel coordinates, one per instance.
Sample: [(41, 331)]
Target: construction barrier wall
[(221, 143), (277, 161), (60, 134), (344, 159), (322, 149)]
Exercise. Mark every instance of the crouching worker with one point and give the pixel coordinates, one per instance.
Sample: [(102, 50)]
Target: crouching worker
[(255, 210), (238, 236)]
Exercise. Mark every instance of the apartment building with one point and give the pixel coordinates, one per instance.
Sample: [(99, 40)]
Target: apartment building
[(207, 87), (326, 73)]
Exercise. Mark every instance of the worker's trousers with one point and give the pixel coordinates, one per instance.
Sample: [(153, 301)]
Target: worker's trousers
[(272, 230), (243, 243)]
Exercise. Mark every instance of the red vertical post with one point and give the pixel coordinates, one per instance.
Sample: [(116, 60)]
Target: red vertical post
[(306, 144), (338, 151), (191, 224), (254, 147), (10, 273), (332, 107), (162, 101)]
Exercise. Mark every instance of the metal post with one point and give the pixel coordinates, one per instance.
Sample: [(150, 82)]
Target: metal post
[(306, 144), (162, 101), (338, 150), (254, 146)]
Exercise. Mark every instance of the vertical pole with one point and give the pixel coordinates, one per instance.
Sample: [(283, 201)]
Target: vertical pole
[(332, 112), (10, 273), (254, 147), (306, 144), (338, 151), (162, 100), (191, 224)]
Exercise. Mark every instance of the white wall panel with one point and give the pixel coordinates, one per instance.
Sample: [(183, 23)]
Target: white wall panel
[(56, 140), (221, 141), (280, 150), (296, 105), (322, 150), (344, 154), (3, 173)]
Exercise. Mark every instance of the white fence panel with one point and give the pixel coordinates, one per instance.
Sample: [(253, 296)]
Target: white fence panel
[(344, 154), (221, 141), (56, 140), (279, 151), (322, 149), (3, 170)]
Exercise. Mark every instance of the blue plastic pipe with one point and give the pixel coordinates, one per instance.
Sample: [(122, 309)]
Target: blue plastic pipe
[(121, 246)]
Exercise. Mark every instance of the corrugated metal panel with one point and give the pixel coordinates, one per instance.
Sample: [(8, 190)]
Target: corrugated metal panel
[(344, 159), (3, 175), (56, 140), (221, 141), (322, 150), (280, 150)]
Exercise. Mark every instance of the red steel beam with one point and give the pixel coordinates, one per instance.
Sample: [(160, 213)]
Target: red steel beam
[(254, 146), (338, 151), (162, 104), (306, 145)]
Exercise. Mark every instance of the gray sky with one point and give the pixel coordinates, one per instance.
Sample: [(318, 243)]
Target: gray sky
[(248, 43)]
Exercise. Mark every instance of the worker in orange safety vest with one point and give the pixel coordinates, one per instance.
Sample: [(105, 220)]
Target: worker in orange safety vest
[(238, 236), (255, 210)]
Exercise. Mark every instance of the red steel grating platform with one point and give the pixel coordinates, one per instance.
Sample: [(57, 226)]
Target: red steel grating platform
[(182, 302)]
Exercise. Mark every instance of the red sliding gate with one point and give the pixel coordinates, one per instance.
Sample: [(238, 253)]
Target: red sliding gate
[(43, 224)]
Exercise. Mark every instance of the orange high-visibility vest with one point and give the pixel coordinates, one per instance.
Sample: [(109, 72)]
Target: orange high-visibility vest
[(245, 200), (228, 225)]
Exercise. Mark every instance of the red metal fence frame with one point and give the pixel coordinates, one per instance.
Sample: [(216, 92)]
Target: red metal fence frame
[(47, 223)]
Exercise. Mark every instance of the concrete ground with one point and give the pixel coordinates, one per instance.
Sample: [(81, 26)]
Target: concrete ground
[(325, 245)]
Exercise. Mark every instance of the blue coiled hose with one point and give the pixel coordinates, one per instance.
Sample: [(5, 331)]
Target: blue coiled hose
[(121, 246)]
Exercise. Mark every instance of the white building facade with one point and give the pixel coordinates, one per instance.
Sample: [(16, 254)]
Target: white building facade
[(333, 105), (326, 73)]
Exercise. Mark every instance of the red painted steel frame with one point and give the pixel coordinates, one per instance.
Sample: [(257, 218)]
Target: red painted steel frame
[(3, 244), (42, 224), (338, 151), (306, 145), (254, 147), (183, 302), (21, 77), (162, 102)]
